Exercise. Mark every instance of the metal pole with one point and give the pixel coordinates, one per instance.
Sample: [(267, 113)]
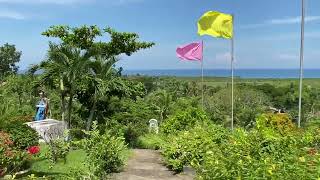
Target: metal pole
[(301, 58), (202, 77), (232, 74)]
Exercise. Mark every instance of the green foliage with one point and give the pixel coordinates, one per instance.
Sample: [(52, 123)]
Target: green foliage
[(21, 134), (9, 56), (248, 104), (82, 64), (58, 149), (183, 120), (131, 118), (269, 151), (82, 37), (189, 147), (11, 159), (150, 141), (105, 153), (69, 169), (278, 122)]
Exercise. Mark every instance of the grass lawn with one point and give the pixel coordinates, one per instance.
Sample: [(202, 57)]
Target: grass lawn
[(43, 167), (223, 81), (75, 162)]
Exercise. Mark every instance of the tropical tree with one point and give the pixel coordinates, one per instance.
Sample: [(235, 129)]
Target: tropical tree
[(79, 56), (9, 56), (62, 69), (161, 101)]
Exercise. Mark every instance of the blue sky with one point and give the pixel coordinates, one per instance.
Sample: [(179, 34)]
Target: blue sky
[(266, 32)]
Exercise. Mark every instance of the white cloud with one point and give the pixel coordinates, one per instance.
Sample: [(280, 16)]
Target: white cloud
[(122, 2), (281, 21), (67, 2), (5, 14), (57, 2)]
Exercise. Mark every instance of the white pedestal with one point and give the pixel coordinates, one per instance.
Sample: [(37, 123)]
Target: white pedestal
[(48, 129)]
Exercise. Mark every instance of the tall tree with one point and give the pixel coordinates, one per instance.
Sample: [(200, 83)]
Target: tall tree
[(9, 56), (103, 54), (65, 64)]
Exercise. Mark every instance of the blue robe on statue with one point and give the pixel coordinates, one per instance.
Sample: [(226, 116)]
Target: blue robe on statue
[(41, 111)]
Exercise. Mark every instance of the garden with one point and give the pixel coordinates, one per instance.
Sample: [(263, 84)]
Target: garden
[(107, 115)]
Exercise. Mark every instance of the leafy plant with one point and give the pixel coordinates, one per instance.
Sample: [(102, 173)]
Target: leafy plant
[(106, 153), (150, 141), (11, 160), (22, 135), (183, 120), (58, 147)]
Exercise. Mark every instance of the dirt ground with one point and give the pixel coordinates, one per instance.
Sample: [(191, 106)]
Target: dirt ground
[(148, 165)]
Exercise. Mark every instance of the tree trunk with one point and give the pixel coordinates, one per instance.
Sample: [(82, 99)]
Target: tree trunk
[(93, 109), (63, 107), (70, 109), (62, 100)]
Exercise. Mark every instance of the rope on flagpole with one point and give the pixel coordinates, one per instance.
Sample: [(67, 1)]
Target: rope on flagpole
[(232, 74), (301, 59)]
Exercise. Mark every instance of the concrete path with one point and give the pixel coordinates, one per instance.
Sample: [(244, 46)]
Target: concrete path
[(147, 165)]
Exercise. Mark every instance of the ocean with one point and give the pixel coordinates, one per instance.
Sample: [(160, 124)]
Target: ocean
[(242, 73)]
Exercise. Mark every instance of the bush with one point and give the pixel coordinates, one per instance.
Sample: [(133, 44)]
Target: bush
[(150, 141), (189, 147), (11, 159), (130, 120), (183, 121), (278, 122), (272, 150), (252, 155), (22, 135), (106, 153), (76, 134)]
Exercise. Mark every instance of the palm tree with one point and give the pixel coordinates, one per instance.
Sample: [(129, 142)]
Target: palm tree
[(64, 66), (100, 73), (162, 101)]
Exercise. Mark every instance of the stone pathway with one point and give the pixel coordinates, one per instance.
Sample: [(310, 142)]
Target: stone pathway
[(147, 165)]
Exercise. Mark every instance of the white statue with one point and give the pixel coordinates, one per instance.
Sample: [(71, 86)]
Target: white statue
[(153, 126)]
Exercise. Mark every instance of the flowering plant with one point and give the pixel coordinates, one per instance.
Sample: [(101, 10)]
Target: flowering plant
[(33, 150)]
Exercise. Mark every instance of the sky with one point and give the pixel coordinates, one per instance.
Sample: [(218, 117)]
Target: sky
[(267, 32)]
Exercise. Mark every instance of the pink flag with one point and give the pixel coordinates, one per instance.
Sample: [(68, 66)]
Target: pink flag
[(192, 51)]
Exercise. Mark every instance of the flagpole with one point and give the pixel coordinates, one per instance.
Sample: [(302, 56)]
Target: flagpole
[(232, 74), (301, 58), (202, 77)]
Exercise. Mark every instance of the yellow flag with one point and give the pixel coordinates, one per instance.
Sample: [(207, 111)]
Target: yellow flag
[(216, 24)]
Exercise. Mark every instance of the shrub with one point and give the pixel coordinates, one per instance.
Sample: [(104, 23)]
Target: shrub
[(272, 150), (252, 155), (22, 135), (183, 121), (150, 141), (106, 153), (11, 160), (76, 134), (130, 119), (189, 147), (58, 149), (278, 122)]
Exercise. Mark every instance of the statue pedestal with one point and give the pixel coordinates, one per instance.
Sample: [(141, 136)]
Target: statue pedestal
[(48, 129)]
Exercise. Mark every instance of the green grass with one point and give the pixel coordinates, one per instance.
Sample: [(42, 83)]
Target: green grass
[(223, 81), (43, 167), (150, 141)]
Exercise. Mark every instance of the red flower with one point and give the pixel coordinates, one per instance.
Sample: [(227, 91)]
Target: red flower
[(34, 150)]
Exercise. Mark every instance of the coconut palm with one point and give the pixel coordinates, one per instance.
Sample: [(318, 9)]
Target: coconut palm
[(64, 66), (99, 75)]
